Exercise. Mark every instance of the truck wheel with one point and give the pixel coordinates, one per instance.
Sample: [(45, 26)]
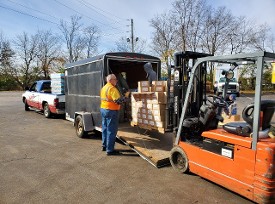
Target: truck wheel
[(79, 127), (179, 160), (27, 108), (47, 112)]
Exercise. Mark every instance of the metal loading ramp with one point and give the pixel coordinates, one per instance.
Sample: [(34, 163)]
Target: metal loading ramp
[(149, 144)]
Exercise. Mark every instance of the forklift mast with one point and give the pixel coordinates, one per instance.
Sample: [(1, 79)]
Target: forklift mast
[(184, 61)]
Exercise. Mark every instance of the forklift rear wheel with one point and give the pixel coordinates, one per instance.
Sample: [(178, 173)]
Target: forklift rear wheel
[(79, 127), (179, 160)]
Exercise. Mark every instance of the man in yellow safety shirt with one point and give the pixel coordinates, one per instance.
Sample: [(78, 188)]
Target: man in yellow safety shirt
[(109, 108)]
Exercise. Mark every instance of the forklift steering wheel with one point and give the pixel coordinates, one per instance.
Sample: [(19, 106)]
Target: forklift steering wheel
[(217, 101), (248, 113)]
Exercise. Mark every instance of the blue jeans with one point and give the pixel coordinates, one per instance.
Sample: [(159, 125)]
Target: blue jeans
[(109, 128)]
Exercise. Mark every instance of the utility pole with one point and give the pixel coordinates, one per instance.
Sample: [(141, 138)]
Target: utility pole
[(132, 34), (131, 39)]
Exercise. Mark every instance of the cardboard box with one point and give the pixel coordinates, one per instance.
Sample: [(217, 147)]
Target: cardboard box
[(149, 106), (152, 123), (136, 104), (150, 117), (160, 97), (144, 83), (149, 96), (233, 118), (160, 113), (145, 121), (159, 86), (143, 86), (158, 106), (157, 118), (144, 89), (159, 124), (144, 116), (135, 96), (143, 110)]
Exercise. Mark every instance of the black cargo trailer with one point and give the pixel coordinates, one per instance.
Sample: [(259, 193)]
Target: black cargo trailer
[(84, 80)]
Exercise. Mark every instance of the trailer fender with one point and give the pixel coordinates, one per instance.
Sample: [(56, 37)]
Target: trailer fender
[(87, 119)]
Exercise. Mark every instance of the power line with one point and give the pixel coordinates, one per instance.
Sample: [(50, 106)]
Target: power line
[(33, 9), (23, 13), (91, 5), (43, 19), (82, 14)]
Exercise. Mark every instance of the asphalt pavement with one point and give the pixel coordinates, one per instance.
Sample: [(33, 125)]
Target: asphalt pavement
[(42, 161)]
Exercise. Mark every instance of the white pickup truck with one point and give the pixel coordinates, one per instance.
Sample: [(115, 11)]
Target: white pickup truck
[(233, 87), (40, 97)]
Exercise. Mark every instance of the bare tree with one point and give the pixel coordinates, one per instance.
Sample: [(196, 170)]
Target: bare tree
[(78, 39), (261, 37), (164, 36), (189, 16), (271, 43), (48, 51), (71, 33), (240, 35), (7, 81), (26, 49), (92, 37), (217, 29)]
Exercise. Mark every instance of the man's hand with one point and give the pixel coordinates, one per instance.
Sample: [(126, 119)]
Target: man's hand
[(127, 94)]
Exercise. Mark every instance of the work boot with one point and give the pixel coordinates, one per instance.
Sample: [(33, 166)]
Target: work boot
[(115, 152)]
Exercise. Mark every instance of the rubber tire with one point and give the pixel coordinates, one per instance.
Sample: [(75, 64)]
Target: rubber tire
[(46, 111), (179, 160), (27, 108), (79, 127)]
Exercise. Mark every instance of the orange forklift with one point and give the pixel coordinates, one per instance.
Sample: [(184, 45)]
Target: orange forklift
[(235, 155)]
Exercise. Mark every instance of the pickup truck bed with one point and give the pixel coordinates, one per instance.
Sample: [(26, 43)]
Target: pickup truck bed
[(149, 144)]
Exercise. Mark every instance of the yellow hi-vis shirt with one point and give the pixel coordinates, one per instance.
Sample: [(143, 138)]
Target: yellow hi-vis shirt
[(108, 95)]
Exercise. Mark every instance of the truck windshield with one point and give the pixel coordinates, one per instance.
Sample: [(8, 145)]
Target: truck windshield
[(231, 80)]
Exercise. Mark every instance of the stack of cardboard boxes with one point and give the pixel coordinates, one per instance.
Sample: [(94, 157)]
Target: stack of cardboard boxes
[(148, 105), (57, 83)]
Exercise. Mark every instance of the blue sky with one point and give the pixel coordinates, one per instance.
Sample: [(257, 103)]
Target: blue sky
[(111, 16)]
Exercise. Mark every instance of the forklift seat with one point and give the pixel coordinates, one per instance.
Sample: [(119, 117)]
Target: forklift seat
[(245, 128)]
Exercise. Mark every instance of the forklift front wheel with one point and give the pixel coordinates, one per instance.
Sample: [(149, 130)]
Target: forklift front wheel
[(179, 160)]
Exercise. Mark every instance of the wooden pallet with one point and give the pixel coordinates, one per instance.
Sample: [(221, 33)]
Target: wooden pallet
[(148, 127)]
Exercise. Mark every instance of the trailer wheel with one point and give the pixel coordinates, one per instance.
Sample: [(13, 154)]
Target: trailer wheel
[(47, 112), (27, 108), (179, 160), (79, 127)]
